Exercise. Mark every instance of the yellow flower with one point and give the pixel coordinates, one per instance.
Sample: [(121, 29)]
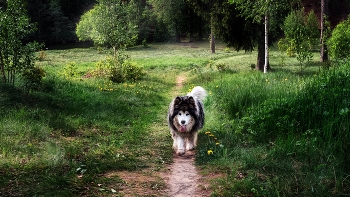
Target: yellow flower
[(207, 133), (217, 143), (210, 152), (211, 135), (215, 138)]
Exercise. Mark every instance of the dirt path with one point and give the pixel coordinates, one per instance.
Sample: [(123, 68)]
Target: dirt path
[(182, 177)]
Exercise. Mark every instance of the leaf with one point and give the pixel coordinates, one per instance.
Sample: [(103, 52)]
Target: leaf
[(113, 190)]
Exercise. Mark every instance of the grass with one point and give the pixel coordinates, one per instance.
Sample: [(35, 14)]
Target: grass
[(284, 133)]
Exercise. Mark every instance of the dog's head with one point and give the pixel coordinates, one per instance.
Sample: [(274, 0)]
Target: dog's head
[(184, 113)]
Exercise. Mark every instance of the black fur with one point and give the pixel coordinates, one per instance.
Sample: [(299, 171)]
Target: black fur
[(188, 103)]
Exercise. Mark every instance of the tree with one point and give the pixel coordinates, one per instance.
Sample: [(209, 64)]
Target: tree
[(267, 14), (108, 24), (177, 17), (16, 57), (301, 35), (52, 23), (209, 10), (324, 14), (338, 43)]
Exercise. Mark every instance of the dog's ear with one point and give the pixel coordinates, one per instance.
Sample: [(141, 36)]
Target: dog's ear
[(177, 102), (191, 103)]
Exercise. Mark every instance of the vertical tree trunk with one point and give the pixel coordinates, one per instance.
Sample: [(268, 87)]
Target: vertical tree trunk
[(2, 67), (324, 11), (266, 63), (212, 36), (261, 49)]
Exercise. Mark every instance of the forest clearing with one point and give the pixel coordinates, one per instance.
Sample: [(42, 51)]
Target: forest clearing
[(284, 133)]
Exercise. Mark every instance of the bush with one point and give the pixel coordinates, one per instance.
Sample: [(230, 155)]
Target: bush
[(70, 70), (339, 43), (119, 71), (302, 36), (32, 78)]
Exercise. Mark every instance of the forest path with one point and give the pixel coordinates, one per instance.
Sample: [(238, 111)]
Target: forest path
[(182, 177)]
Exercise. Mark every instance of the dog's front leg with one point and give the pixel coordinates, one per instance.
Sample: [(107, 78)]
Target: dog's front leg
[(180, 145)]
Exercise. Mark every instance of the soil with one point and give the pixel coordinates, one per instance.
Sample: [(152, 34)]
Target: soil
[(183, 179)]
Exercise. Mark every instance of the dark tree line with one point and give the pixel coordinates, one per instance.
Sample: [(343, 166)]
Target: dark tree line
[(56, 19), (166, 20)]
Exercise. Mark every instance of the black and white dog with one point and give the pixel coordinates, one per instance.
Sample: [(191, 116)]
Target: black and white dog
[(185, 118)]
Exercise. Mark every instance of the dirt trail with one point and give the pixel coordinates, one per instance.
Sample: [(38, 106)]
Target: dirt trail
[(182, 177)]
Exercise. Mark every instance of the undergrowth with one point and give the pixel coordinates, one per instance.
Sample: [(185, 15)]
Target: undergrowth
[(280, 134)]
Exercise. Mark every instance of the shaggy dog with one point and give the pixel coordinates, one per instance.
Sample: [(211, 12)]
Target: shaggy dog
[(185, 118)]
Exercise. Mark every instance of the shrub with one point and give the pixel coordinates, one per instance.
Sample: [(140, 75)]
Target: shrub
[(41, 55), (301, 36), (339, 43), (70, 70), (119, 71), (32, 78)]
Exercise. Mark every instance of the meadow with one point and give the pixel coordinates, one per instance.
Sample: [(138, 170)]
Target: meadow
[(284, 133)]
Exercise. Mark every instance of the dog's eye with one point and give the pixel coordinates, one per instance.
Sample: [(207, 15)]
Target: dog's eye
[(179, 114), (187, 114)]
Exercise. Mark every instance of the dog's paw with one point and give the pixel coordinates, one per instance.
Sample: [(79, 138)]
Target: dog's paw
[(180, 152)]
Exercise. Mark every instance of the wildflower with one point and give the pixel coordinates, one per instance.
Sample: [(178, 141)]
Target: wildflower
[(207, 133), (217, 143), (217, 86), (211, 135), (210, 152), (215, 138)]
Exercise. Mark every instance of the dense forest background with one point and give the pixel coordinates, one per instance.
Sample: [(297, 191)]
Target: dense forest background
[(57, 19)]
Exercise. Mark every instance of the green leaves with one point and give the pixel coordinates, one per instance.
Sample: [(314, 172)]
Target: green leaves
[(339, 43), (108, 24), (301, 35), (15, 57)]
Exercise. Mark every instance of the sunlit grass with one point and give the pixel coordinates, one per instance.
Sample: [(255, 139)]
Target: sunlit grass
[(64, 138)]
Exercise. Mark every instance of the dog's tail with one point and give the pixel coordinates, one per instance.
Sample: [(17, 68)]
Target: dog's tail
[(198, 92)]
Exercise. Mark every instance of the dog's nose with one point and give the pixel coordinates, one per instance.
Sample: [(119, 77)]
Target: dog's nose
[(183, 122)]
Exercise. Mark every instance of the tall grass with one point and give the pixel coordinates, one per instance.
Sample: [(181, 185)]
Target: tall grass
[(294, 130)]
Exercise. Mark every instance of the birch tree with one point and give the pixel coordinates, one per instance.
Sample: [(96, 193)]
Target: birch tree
[(324, 31), (267, 13)]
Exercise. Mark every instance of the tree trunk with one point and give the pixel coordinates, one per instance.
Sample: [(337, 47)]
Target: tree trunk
[(324, 12), (212, 36), (2, 67), (266, 63), (212, 43), (261, 50)]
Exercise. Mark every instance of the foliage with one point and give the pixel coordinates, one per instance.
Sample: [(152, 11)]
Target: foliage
[(108, 24), (140, 15), (298, 127), (33, 77), (120, 69), (178, 19), (301, 36), (17, 58), (339, 43), (70, 70), (56, 19)]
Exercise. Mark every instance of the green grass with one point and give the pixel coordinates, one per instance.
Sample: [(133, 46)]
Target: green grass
[(284, 133)]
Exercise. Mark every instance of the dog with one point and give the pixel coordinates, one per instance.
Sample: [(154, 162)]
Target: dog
[(185, 118)]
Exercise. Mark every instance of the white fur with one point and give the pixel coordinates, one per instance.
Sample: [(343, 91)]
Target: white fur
[(182, 125)]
